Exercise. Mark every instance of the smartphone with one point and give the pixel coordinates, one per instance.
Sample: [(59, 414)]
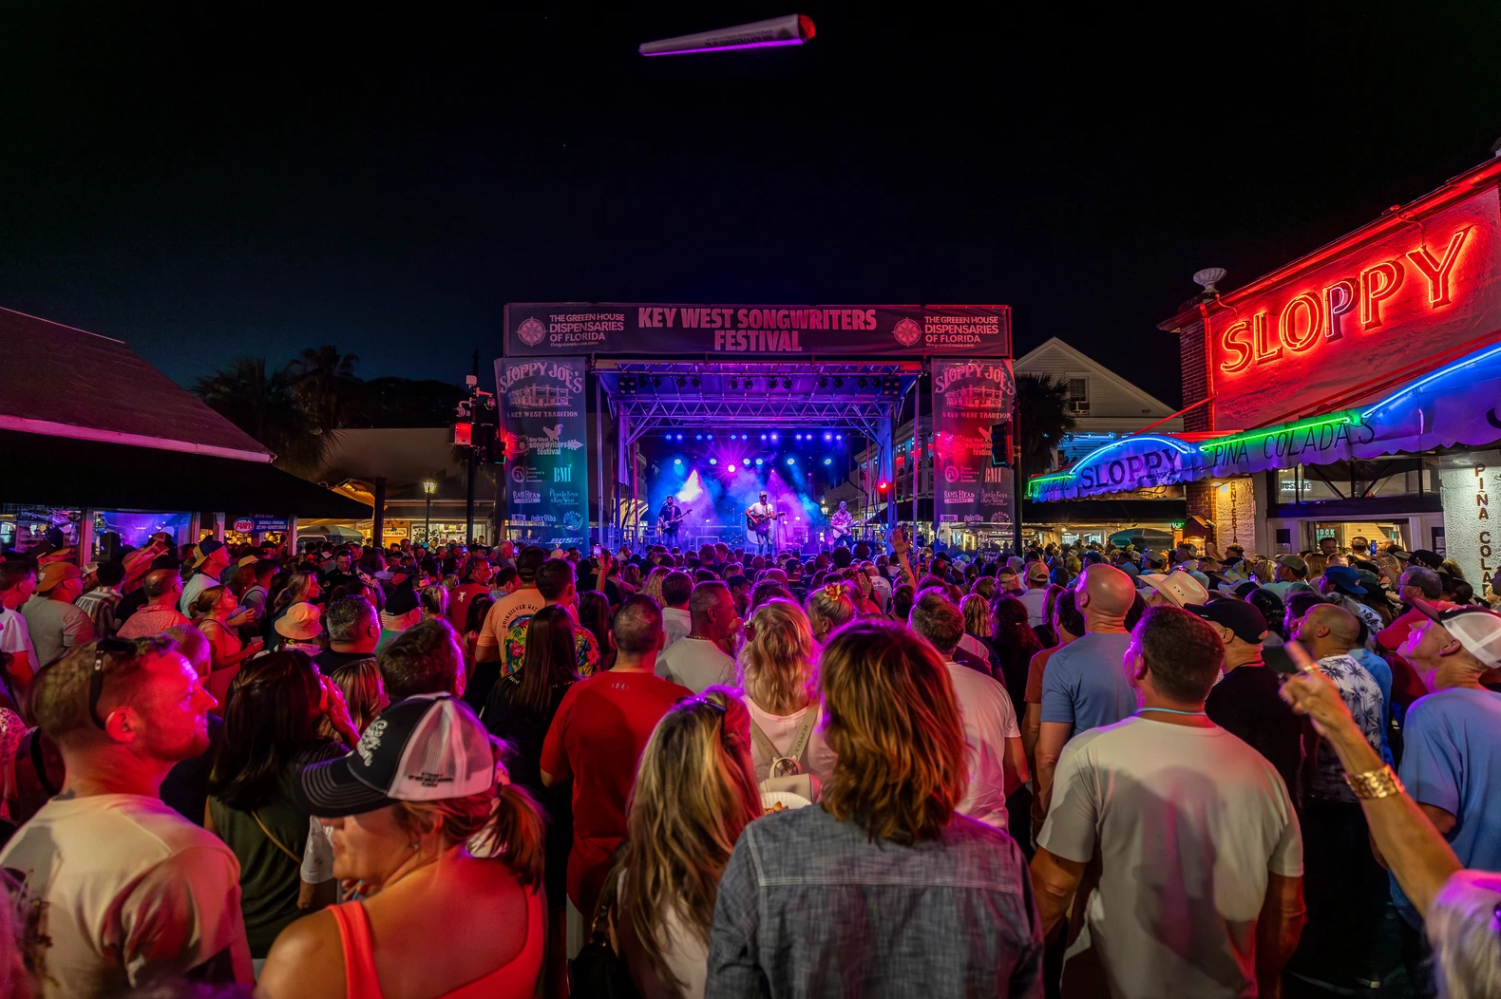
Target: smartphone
[(1277, 659), (598, 551)]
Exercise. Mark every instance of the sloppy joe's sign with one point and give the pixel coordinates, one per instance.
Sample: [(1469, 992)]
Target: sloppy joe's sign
[(1424, 288), (1147, 462)]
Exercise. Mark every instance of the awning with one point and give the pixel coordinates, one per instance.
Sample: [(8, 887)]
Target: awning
[(1457, 405), (65, 472)]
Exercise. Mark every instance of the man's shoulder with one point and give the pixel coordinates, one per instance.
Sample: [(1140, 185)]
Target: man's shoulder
[(1434, 710), (150, 831)]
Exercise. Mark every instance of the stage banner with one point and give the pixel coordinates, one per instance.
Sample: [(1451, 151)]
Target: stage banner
[(970, 397), (543, 423), (749, 332)]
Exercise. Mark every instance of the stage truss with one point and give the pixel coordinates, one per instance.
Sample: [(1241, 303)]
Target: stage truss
[(647, 397)]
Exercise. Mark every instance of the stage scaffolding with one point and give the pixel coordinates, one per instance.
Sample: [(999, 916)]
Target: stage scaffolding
[(651, 396)]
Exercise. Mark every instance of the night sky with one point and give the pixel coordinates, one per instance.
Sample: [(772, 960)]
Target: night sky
[(204, 184)]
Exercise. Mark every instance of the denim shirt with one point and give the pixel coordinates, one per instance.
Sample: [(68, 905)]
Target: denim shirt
[(809, 906)]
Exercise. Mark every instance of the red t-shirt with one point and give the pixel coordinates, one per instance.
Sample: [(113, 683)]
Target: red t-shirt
[(596, 739), (458, 603)]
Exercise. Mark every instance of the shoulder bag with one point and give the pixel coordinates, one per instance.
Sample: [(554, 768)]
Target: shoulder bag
[(786, 773)]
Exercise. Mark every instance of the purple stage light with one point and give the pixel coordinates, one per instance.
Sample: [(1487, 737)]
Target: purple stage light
[(713, 461), (828, 461), (758, 462), (791, 29), (791, 461), (776, 437)]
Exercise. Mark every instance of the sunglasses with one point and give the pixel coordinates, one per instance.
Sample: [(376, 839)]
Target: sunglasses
[(104, 647), (697, 700)]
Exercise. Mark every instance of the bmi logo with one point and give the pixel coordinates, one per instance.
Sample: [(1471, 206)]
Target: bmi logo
[(563, 473), (907, 332), (531, 332)]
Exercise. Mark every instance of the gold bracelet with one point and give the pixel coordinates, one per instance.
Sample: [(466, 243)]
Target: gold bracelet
[(1375, 784)]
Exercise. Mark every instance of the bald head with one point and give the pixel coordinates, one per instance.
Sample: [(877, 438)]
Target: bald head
[(1330, 627), (161, 583), (1105, 595)]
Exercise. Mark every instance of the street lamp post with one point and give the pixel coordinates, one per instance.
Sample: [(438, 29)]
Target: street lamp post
[(428, 487)]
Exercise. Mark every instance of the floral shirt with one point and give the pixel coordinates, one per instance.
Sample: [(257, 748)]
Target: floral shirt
[(515, 648), (1362, 695)]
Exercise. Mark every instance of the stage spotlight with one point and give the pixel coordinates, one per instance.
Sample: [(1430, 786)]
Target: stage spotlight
[(787, 384), (763, 437), (861, 382), (839, 437), (823, 382), (696, 381), (828, 436), (734, 384), (682, 381), (708, 437), (775, 436), (828, 461), (838, 382), (698, 437), (713, 461), (627, 384), (891, 385), (677, 461), (791, 461), (758, 462), (656, 382), (798, 436), (745, 461)]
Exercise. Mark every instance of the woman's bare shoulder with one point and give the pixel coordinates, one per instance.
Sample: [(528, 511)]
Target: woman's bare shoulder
[(307, 959)]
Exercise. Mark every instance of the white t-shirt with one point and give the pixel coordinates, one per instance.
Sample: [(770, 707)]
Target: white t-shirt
[(131, 890), (1036, 602), (762, 510), (14, 636), (676, 624), (818, 758), (1187, 822), (696, 663), (989, 720), (684, 953)]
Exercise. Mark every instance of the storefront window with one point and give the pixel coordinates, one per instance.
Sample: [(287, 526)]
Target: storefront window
[(1339, 481)]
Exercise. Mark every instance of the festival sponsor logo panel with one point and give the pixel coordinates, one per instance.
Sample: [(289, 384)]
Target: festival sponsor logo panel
[(969, 398), (544, 426)]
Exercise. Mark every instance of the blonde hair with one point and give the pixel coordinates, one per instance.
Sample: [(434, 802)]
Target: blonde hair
[(776, 665), (829, 607), (890, 716), (653, 585), (502, 824), (1452, 568), (206, 602), (976, 615), (985, 587), (695, 792)]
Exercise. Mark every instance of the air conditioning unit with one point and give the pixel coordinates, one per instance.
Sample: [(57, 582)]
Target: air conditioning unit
[(1078, 407)]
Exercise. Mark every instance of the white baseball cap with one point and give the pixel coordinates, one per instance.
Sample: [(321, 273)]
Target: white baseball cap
[(1477, 629), (430, 747)]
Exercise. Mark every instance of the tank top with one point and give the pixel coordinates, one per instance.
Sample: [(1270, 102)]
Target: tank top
[(516, 979)]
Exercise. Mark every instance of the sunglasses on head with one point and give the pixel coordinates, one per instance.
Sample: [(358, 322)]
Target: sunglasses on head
[(104, 647)]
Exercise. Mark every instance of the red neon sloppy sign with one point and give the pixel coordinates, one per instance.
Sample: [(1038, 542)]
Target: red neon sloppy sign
[(1354, 304)]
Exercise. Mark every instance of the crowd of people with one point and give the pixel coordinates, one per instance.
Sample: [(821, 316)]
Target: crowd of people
[(513, 771)]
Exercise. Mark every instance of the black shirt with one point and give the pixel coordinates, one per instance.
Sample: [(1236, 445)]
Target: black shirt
[(328, 660), (1246, 704), (185, 788)]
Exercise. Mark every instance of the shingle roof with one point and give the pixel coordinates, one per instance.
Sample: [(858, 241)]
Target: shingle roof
[(65, 382)]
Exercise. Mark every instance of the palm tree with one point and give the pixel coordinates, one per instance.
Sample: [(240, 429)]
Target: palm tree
[(324, 382), (1042, 408), (267, 408)]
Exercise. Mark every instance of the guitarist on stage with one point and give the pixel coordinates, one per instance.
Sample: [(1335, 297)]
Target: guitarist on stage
[(841, 526), (668, 520), (758, 518)]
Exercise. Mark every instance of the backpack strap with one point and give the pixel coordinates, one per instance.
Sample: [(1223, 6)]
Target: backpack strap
[(794, 754)]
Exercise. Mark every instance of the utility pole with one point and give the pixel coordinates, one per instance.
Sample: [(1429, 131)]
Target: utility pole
[(473, 454)]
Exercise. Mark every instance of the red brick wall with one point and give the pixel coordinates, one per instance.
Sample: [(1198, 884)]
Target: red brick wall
[(1191, 355)]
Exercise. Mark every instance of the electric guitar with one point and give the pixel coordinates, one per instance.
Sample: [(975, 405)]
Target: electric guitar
[(837, 531), (670, 523), (756, 522)]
